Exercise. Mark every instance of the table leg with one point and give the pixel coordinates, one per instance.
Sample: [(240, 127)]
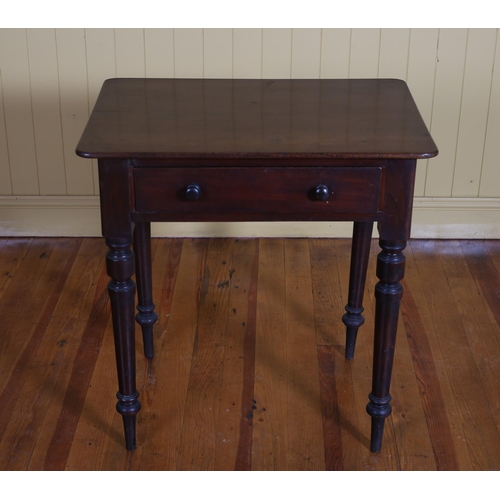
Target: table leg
[(388, 293), (120, 268), (353, 318), (146, 317)]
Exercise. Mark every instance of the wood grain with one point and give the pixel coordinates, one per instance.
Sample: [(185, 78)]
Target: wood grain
[(332, 436), (30, 369), (237, 398), (294, 401), (199, 437), (328, 305), (270, 433), (434, 407), (461, 368), (304, 417), (168, 377)]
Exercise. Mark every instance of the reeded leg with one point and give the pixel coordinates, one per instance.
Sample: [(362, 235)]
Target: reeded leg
[(146, 316), (120, 267), (388, 293), (353, 318)]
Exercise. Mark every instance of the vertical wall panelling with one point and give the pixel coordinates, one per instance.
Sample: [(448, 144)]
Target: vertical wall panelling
[(188, 50), (72, 65), (394, 46), (42, 57), (306, 52), (50, 79), (365, 44), (159, 52), (130, 53), (247, 53), (101, 59), (101, 64), (276, 53), (18, 111), (218, 53), (474, 111), (446, 109), (335, 52), (422, 64), (490, 178), (5, 180)]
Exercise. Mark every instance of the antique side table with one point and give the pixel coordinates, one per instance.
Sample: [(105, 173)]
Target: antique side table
[(255, 150)]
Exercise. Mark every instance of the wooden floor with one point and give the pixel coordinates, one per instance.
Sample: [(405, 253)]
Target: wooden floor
[(249, 371)]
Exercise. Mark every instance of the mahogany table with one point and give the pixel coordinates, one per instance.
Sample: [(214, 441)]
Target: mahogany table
[(255, 150)]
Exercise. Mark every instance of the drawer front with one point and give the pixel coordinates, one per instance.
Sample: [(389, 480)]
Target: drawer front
[(257, 193)]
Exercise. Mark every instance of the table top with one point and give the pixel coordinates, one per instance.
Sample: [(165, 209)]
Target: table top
[(224, 118)]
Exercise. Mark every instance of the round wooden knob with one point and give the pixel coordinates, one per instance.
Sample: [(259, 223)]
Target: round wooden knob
[(322, 192), (193, 192)]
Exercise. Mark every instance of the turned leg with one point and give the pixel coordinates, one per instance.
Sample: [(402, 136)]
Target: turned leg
[(388, 293), (120, 267), (146, 317), (353, 318)]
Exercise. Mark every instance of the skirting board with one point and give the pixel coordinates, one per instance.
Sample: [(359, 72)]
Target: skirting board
[(57, 216)]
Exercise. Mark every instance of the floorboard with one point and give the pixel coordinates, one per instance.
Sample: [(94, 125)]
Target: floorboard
[(249, 370)]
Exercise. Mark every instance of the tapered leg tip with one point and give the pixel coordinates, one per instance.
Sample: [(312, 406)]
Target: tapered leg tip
[(147, 321), (352, 321), (350, 347), (148, 341), (131, 446), (377, 431)]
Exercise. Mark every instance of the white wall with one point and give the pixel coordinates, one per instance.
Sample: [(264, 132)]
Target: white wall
[(50, 78)]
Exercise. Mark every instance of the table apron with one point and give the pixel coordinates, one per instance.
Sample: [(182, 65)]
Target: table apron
[(258, 194)]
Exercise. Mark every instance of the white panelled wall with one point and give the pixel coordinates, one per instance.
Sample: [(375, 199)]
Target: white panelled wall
[(50, 78)]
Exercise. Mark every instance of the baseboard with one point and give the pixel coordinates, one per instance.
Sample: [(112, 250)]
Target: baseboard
[(450, 218), (469, 218)]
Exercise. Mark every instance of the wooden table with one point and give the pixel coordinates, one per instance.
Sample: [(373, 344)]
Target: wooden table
[(255, 150)]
